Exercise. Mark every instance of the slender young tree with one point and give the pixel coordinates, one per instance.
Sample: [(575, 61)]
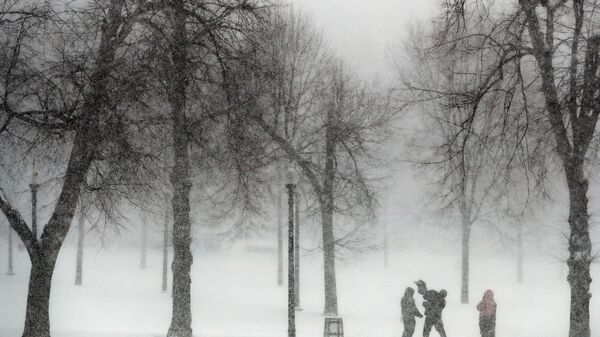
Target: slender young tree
[(334, 131)]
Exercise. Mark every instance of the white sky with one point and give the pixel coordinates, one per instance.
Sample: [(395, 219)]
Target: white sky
[(362, 31)]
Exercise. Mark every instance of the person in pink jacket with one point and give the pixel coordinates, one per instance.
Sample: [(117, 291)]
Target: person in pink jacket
[(487, 314)]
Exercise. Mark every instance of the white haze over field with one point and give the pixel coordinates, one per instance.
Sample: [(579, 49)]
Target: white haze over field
[(234, 294), (234, 290)]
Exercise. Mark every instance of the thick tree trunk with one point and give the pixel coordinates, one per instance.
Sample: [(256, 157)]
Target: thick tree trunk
[(37, 317), (466, 235), (327, 206), (329, 260), (144, 247), (279, 233), (291, 271), (80, 240), (165, 257), (580, 248), (181, 321), (33, 186), (297, 253), (44, 252)]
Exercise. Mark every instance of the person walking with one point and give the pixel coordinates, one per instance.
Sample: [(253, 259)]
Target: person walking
[(409, 312), (434, 303), (487, 314)]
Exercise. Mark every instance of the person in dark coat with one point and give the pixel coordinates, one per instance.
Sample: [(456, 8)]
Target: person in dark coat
[(487, 314), (409, 312), (434, 302)]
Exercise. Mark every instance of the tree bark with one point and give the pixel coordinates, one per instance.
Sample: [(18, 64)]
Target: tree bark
[(181, 321), (44, 252), (291, 267), (80, 240), (279, 232), (33, 186), (327, 206), (580, 248), (329, 259), (37, 317), (165, 257), (10, 270), (297, 253), (466, 235)]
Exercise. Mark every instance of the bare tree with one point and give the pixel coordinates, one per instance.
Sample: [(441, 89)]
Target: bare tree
[(542, 62), (193, 39), (333, 122), (466, 174), (63, 100)]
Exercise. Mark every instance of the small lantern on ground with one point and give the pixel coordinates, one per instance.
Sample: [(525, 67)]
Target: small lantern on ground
[(334, 327)]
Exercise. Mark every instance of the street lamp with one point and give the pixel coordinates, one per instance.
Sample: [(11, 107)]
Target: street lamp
[(291, 179)]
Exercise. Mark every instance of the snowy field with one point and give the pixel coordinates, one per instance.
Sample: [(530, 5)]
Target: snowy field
[(235, 294)]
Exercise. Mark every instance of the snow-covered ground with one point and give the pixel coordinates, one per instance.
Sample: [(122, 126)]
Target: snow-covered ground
[(235, 294)]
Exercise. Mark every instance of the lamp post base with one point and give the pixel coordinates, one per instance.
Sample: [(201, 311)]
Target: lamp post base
[(10, 273)]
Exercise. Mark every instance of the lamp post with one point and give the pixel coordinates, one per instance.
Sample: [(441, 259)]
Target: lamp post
[(297, 256), (291, 185)]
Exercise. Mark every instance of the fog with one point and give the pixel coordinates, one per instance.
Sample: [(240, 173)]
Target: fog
[(232, 169)]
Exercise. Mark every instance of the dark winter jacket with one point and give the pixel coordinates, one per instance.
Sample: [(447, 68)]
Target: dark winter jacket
[(409, 308), (434, 302)]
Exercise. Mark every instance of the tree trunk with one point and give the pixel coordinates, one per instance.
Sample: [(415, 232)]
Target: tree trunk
[(165, 258), (44, 252), (80, 239), (37, 318), (520, 253), (10, 252), (33, 186), (144, 247), (297, 254), (291, 264), (329, 260), (466, 234), (580, 248), (327, 205), (181, 321), (279, 232)]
